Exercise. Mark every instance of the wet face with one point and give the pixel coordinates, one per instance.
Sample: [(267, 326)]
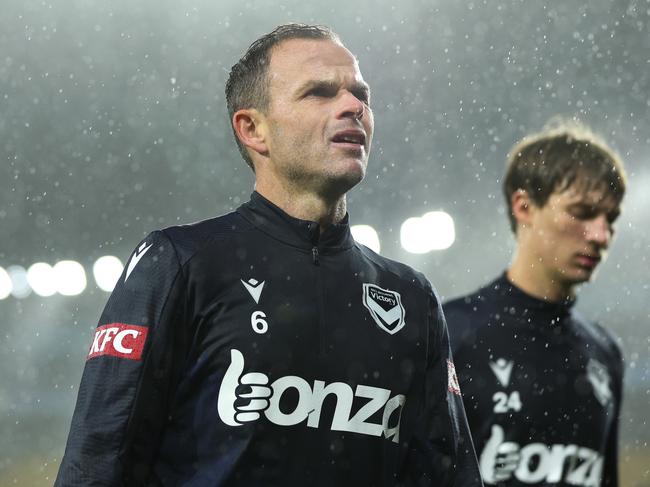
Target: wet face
[(570, 234), (319, 121)]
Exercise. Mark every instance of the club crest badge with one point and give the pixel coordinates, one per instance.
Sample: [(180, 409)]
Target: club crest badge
[(600, 381), (385, 307)]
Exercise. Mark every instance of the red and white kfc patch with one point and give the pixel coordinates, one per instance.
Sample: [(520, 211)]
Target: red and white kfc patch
[(452, 378), (119, 340)]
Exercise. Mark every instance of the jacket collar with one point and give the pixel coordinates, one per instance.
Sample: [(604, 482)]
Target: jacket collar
[(303, 234), (506, 289)]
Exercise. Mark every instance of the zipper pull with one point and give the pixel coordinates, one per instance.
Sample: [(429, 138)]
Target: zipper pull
[(314, 255)]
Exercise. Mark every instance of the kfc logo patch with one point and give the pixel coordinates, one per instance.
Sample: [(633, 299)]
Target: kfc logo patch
[(119, 340), (452, 378)]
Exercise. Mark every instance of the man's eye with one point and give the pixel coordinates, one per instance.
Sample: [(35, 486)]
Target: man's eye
[(582, 213), (321, 92), (612, 217)]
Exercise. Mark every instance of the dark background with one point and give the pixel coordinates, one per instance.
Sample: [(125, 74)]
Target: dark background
[(113, 123)]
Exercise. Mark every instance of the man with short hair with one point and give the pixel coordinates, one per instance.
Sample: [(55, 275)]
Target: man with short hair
[(265, 347), (542, 385)]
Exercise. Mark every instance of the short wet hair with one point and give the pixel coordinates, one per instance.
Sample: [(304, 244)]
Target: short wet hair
[(565, 154), (248, 83)]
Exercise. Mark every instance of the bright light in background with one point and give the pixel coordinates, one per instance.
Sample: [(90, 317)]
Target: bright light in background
[(20, 286), (70, 277), (432, 231), (5, 284), (41, 278), (366, 235), (445, 231), (107, 271)]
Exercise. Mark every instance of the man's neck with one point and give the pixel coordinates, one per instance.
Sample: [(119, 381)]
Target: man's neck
[(532, 278), (305, 205)]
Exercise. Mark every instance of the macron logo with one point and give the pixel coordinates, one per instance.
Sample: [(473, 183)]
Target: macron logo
[(254, 288), (137, 255), (502, 369), (119, 340)]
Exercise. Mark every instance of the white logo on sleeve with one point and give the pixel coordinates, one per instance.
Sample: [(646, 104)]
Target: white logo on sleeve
[(502, 368), (502, 460), (137, 255), (254, 288), (452, 379), (236, 407), (600, 381), (385, 307)]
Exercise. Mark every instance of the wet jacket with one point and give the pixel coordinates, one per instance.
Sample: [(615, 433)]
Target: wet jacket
[(541, 387), (254, 349)]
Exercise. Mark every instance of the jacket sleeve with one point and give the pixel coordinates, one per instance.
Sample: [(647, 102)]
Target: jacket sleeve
[(443, 450), (610, 470), (131, 364)]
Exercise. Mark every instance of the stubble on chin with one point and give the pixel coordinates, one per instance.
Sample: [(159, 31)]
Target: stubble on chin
[(334, 179)]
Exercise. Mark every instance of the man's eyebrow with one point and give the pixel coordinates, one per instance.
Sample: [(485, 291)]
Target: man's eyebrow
[(588, 205), (358, 87), (317, 83), (362, 87), (613, 211)]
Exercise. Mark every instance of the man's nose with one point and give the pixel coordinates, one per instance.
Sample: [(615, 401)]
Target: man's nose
[(351, 107), (599, 231)]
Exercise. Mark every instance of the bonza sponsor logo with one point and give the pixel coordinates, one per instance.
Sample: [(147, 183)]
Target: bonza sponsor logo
[(237, 408), (502, 461)]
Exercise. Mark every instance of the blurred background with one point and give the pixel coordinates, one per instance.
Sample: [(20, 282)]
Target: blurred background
[(113, 123)]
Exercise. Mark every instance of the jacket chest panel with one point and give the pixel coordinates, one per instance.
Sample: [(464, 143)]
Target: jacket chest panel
[(288, 316), (564, 386)]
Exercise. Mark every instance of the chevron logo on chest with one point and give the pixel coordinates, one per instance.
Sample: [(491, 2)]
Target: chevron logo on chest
[(254, 288), (502, 368), (385, 307)]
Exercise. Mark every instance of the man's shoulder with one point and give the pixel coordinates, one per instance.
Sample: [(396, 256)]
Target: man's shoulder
[(467, 313), (598, 335), (469, 304), (402, 271), (188, 239), (465, 303)]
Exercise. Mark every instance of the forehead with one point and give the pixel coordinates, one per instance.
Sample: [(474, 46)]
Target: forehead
[(596, 197), (295, 60)]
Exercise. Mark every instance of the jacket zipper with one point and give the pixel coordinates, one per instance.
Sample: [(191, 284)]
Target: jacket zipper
[(315, 259)]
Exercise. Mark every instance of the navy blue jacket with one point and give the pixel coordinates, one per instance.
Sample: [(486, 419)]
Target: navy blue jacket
[(254, 349), (542, 388)]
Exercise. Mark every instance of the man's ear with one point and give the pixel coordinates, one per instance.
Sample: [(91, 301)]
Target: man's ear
[(250, 127), (522, 208)]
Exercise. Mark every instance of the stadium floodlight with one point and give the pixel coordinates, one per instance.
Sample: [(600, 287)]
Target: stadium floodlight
[(107, 271), (366, 235), (444, 234), (41, 278), (5, 284), (19, 286), (70, 277), (432, 231), (414, 236)]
